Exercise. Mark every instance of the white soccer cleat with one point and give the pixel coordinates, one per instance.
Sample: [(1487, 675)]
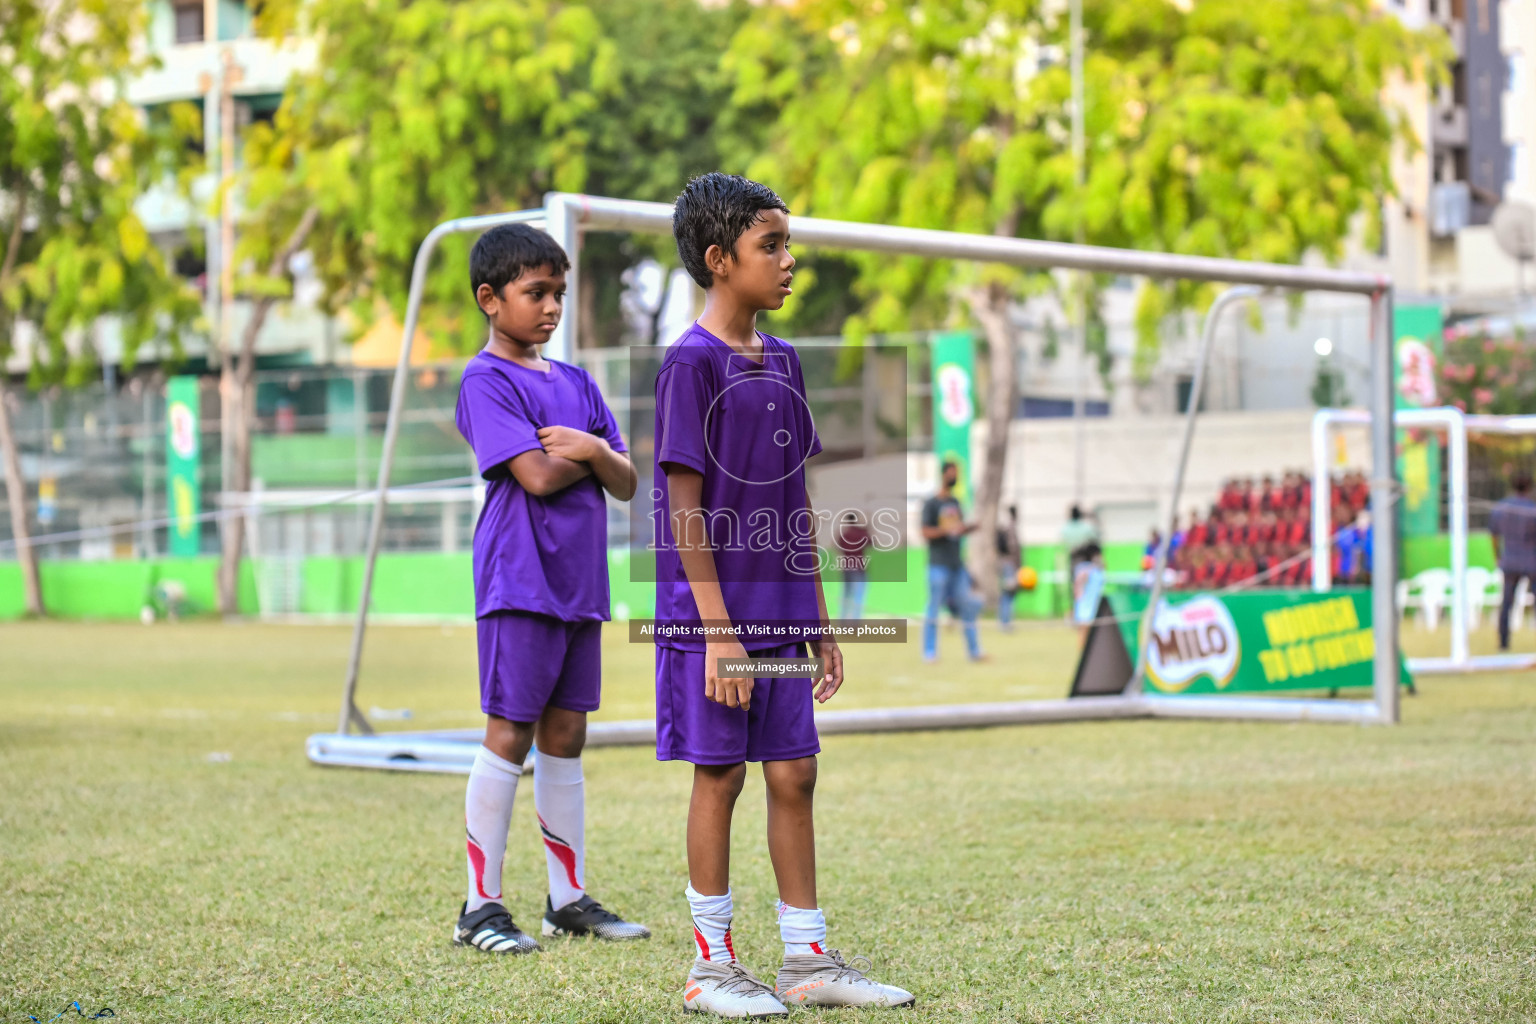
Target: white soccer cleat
[(727, 989), (826, 979)]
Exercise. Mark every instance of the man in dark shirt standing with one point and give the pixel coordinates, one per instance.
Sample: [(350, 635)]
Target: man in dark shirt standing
[(1513, 526), (949, 584)]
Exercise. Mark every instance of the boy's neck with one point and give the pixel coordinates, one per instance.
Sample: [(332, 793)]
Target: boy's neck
[(515, 351), (731, 322)]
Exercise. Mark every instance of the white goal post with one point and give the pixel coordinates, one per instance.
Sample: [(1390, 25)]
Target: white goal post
[(1455, 425), (566, 216)]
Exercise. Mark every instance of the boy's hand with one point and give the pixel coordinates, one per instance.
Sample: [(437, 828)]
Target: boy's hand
[(732, 691), (570, 443), (831, 679)]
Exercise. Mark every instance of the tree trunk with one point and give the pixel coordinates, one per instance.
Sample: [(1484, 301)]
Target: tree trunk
[(15, 487), (16, 498), (989, 304), (235, 389)]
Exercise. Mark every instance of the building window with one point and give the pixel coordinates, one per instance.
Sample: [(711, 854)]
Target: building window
[(1518, 154), (1514, 77), (189, 22)]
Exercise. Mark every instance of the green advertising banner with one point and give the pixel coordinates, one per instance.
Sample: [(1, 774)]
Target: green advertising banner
[(1259, 641), (1417, 334), (954, 402), (182, 469)]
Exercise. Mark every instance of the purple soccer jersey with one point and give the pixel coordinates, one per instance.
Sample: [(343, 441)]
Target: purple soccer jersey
[(547, 555), (746, 426)]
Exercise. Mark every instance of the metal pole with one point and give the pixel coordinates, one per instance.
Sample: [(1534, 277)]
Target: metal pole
[(560, 220), (349, 713), (1322, 568), (147, 533), (1383, 511), (1080, 279), (600, 213), (1456, 437), (1208, 336)]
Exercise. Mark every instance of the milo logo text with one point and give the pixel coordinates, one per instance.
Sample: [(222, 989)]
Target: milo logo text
[(1191, 640)]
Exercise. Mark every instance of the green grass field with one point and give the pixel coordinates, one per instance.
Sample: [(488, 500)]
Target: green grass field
[(1129, 871)]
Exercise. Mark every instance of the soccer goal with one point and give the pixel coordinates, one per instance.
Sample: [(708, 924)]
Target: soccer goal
[(1456, 426), (567, 216)]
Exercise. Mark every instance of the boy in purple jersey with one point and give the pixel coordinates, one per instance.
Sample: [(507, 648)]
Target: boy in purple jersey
[(736, 556), (548, 447)]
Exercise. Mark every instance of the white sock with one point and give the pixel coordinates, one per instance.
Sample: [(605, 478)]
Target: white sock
[(487, 815), (560, 799), (711, 925), (803, 931)]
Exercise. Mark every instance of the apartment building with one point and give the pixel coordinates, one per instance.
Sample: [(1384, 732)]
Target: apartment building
[(1476, 131), (205, 47)]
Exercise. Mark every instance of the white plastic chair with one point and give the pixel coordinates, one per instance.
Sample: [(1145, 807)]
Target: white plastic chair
[(1517, 611), (1434, 586), (1477, 583)]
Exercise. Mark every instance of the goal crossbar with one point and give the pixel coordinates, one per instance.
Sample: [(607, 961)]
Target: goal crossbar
[(566, 216)]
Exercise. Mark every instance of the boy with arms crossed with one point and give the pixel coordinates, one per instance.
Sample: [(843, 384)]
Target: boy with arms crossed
[(548, 447), (733, 432)]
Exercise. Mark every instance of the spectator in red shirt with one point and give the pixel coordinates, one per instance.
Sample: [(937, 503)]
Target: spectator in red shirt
[(1197, 533), (1221, 566)]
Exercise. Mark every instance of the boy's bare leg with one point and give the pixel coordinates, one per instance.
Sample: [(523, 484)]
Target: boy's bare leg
[(812, 974), (508, 740), (715, 789), (561, 733), (791, 828), (717, 983)]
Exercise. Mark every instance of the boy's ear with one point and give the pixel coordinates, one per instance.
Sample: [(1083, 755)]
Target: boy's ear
[(485, 296), (714, 259)]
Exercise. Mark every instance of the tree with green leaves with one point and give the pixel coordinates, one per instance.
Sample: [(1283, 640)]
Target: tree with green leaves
[(418, 111), (74, 156), (1213, 127)]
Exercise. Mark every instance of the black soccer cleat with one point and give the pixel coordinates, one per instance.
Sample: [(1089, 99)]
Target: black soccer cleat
[(588, 917), (490, 928)]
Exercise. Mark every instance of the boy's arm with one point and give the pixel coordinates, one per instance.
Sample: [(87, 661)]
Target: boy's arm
[(542, 474), (612, 469), (825, 647), (615, 472), (685, 495)]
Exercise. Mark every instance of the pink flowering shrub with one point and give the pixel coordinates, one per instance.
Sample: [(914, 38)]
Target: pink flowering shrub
[(1482, 374)]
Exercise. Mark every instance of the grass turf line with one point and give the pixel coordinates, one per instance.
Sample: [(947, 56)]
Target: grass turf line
[(1121, 871)]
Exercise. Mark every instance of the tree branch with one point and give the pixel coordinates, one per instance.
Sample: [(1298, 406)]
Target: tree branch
[(264, 304), (13, 244)]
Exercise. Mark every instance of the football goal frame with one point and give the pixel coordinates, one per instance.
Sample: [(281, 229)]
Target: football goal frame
[(566, 216), (1456, 426)]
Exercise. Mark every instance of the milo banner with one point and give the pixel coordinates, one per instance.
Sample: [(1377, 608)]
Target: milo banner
[(1416, 332), (182, 471), (1250, 642), (954, 402)]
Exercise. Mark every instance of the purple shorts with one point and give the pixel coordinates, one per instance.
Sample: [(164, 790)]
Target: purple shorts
[(779, 725), (529, 662)]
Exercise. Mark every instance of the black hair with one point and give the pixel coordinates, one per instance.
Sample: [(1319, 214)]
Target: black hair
[(717, 209), (502, 254), (1520, 484), (1076, 512)]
